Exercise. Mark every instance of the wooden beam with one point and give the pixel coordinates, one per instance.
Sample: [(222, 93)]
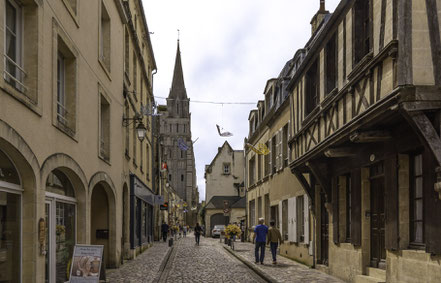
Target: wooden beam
[(340, 152), (306, 186), (370, 136), (322, 177), (425, 131), (421, 105)]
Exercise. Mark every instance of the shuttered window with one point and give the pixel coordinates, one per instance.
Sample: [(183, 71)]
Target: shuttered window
[(348, 207), (300, 219), (416, 201)]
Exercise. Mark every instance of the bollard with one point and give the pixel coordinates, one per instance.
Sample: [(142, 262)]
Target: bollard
[(170, 242)]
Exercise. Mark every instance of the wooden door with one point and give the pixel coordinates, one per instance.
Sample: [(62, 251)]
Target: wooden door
[(324, 231), (378, 251)]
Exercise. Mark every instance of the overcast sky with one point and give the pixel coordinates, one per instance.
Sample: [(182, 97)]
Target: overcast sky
[(229, 49)]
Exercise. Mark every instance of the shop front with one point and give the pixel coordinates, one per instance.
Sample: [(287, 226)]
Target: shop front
[(10, 221), (141, 214)]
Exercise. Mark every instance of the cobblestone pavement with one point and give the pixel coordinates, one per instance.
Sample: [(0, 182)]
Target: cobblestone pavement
[(286, 270), (208, 262), (142, 269)]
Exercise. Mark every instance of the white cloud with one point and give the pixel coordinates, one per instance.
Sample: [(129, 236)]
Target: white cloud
[(229, 49)]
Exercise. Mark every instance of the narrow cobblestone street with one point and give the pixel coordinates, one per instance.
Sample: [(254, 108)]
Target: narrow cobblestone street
[(210, 262)]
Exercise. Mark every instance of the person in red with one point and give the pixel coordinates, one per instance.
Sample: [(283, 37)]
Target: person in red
[(260, 240)]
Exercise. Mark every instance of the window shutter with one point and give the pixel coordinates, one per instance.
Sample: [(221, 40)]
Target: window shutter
[(335, 212), (270, 156), (280, 218), (432, 206), (391, 201), (281, 148), (306, 215), (277, 151), (356, 207), (292, 212)]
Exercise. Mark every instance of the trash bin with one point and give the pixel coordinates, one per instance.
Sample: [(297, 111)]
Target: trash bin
[(170, 242)]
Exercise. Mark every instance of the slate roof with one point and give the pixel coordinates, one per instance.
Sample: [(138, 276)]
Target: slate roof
[(177, 90), (217, 202)]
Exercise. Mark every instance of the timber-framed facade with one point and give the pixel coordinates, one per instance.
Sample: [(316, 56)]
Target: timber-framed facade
[(365, 139)]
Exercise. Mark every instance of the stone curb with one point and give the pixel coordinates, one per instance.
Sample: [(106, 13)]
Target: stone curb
[(257, 270)]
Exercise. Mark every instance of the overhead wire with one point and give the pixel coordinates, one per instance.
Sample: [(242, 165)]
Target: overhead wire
[(215, 102)]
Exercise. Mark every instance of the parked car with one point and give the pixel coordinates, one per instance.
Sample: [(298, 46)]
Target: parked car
[(217, 230)]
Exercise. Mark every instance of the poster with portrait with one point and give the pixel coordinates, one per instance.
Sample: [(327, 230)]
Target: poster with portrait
[(86, 263)]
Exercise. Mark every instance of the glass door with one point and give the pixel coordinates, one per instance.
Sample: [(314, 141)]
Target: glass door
[(60, 219)]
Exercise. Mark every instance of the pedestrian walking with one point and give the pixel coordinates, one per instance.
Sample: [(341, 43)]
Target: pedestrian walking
[(184, 230), (197, 233), (260, 233), (164, 230), (274, 238)]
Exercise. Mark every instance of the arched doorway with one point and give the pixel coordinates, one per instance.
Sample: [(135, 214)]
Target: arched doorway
[(100, 219), (61, 224), (218, 219), (125, 233), (103, 218), (10, 221)]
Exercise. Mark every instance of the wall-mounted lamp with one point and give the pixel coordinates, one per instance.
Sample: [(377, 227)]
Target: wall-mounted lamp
[(141, 130)]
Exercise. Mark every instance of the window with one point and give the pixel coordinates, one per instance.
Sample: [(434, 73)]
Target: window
[(169, 177), (416, 201), (127, 129), (252, 208), (182, 177), (311, 88), (226, 168), (170, 128), (274, 154), (362, 29), (285, 146), (300, 218), (141, 154), (185, 130), (61, 95), (177, 128), (135, 75), (104, 128), (126, 51), (104, 55), (331, 64), (20, 53), (252, 170), (13, 50), (65, 85), (348, 207), (267, 161), (259, 208), (285, 219), (182, 154), (134, 144), (259, 167), (148, 161)]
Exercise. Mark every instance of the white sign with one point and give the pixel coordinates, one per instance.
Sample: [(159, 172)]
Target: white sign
[(86, 263)]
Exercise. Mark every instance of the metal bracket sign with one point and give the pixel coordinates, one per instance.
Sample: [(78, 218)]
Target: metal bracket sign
[(86, 263)]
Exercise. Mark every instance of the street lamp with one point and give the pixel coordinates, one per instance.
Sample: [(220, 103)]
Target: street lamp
[(141, 130)]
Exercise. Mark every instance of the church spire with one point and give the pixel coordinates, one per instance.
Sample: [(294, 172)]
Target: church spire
[(177, 90)]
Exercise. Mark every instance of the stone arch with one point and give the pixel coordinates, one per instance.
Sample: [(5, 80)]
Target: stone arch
[(218, 219), (28, 167), (101, 188), (73, 171), (125, 227)]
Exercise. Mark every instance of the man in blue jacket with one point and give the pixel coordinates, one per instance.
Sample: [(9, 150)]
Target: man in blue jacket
[(260, 239)]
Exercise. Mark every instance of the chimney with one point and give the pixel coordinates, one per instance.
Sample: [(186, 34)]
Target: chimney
[(318, 17)]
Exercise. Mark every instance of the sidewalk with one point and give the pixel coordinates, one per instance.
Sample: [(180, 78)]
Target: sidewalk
[(144, 268), (285, 271)]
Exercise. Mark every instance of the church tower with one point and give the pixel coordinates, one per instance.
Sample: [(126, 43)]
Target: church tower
[(175, 130)]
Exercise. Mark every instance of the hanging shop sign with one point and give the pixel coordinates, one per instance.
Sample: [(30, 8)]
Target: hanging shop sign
[(86, 263)]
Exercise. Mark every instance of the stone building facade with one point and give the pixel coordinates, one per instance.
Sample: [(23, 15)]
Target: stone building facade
[(224, 188), (365, 109), (139, 188), (64, 174), (175, 132), (272, 191)]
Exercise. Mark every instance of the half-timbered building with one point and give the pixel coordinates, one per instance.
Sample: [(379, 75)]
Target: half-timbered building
[(365, 139)]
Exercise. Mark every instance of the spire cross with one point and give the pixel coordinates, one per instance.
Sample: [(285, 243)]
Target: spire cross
[(179, 32)]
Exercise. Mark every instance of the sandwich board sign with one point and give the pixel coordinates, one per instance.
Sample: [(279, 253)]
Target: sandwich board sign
[(86, 263)]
